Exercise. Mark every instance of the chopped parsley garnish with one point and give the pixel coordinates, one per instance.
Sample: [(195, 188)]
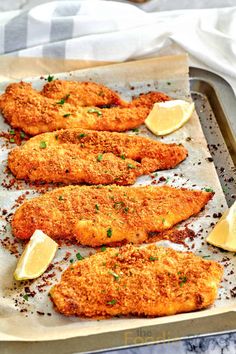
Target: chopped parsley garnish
[(50, 78), (167, 180), (109, 232), (12, 140), (94, 110), (130, 166), (79, 257), (71, 261), (43, 145), (112, 302), (63, 100), (136, 130), (61, 197), (163, 221), (183, 280), (66, 115), (208, 190), (96, 206), (169, 83), (122, 157), (22, 135), (12, 132), (99, 158), (82, 135), (151, 258), (26, 297), (207, 256), (116, 276), (126, 209), (103, 248)]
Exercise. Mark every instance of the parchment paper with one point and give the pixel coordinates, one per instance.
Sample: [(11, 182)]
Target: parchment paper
[(167, 74)]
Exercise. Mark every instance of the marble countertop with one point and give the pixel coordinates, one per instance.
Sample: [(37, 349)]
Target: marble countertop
[(218, 344)]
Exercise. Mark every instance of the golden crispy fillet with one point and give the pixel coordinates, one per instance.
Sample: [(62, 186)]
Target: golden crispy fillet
[(99, 215), (94, 94), (150, 281), (76, 155), (27, 109), (82, 93)]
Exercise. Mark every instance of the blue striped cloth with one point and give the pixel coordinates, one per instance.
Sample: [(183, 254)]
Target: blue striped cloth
[(114, 31)]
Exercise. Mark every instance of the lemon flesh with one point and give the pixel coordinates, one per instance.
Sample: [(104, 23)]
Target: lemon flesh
[(224, 233), (36, 256), (168, 116)]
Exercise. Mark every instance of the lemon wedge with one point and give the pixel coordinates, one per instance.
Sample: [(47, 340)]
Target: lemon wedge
[(224, 233), (168, 116), (36, 256)]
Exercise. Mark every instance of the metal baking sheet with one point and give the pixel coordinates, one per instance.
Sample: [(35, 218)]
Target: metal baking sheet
[(205, 90)]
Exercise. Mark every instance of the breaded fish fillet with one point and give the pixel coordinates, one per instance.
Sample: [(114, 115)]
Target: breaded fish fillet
[(100, 215), (151, 281), (82, 93), (27, 109), (94, 94), (76, 156)]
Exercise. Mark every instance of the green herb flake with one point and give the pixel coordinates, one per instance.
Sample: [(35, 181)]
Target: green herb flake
[(79, 257), (208, 190), (12, 132), (94, 110), (12, 140), (126, 209), (169, 83), (122, 157), (66, 115), (116, 276), (61, 197), (167, 180), (97, 206), (22, 135), (43, 145), (130, 166), (50, 78), (71, 261), (109, 232), (183, 280), (63, 100), (163, 221), (135, 130), (151, 258), (103, 248), (82, 135), (207, 256), (26, 297), (112, 302), (99, 158)]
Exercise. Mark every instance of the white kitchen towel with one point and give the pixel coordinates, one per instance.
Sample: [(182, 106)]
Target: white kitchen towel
[(113, 31)]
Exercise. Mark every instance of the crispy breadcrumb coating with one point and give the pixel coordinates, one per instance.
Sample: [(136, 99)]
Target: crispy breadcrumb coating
[(151, 281), (25, 108), (82, 156), (82, 93), (94, 216)]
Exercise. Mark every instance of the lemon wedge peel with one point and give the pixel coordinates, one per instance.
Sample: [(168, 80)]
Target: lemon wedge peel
[(224, 233), (168, 116), (36, 257)]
